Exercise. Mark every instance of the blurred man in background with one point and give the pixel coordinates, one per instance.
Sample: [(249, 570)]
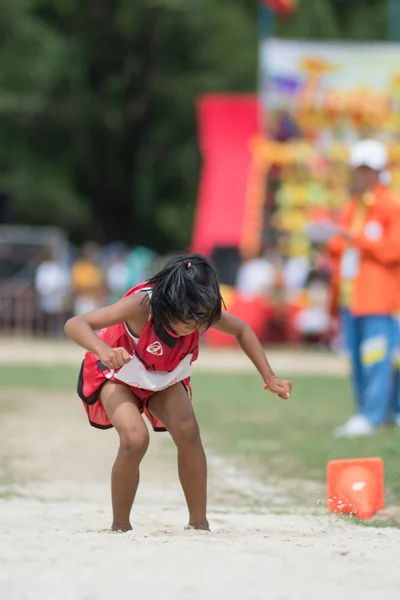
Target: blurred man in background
[(140, 265), (366, 282), (88, 280), (115, 270), (256, 277), (53, 287)]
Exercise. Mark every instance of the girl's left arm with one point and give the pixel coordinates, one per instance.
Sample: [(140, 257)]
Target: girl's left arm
[(250, 344)]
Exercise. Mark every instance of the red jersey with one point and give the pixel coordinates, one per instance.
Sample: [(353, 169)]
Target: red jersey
[(159, 361)]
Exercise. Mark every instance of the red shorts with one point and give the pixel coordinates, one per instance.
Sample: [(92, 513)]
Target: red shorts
[(90, 381)]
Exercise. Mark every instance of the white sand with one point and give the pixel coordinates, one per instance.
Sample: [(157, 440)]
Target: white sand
[(52, 546)]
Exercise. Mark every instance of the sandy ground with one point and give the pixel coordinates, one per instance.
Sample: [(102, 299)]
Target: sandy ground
[(55, 508), (37, 351)]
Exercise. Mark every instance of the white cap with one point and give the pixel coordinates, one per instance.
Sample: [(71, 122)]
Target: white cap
[(369, 153)]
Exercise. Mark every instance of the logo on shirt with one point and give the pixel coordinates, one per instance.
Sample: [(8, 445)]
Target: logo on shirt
[(155, 348)]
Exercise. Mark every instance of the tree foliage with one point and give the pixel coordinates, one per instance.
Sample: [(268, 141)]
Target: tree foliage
[(97, 103), (354, 20)]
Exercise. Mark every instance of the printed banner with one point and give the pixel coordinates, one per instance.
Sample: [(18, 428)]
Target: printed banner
[(317, 99)]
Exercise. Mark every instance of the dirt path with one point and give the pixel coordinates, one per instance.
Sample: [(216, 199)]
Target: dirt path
[(34, 351), (56, 504)]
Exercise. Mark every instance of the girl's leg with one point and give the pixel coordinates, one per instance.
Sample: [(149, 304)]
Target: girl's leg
[(122, 409), (173, 408)]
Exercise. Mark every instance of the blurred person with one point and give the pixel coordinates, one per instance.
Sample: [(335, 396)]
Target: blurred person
[(140, 362), (88, 281), (53, 287), (139, 265), (365, 286), (313, 319), (395, 397), (295, 272), (256, 277), (116, 271)]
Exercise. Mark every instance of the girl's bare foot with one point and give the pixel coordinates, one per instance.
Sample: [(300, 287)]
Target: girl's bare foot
[(199, 526), (121, 527)]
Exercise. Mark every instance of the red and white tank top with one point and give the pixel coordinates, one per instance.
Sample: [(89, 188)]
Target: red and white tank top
[(159, 358)]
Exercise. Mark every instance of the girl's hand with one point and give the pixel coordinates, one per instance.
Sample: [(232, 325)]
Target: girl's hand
[(281, 387), (114, 358)]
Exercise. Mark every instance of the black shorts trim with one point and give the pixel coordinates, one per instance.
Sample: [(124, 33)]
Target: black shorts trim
[(100, 426), (88, 400)]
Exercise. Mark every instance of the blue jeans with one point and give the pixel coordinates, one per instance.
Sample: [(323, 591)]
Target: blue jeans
[(396, 383), (371, 342)]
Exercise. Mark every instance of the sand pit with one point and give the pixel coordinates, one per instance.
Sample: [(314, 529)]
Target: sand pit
[(56, 506)]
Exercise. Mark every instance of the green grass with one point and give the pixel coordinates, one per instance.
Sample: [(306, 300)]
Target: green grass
[(287, 439), (39, 377), (290, 439)]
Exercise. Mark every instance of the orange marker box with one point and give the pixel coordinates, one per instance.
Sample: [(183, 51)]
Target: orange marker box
[(356, 486)]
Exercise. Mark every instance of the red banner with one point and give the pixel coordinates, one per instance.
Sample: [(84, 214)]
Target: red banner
[(226, 124)]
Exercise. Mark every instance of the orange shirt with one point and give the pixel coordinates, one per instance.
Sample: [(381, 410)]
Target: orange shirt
[(376, 237), (87, 278)]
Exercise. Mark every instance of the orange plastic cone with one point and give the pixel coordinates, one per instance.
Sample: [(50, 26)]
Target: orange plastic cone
[(356, 486)]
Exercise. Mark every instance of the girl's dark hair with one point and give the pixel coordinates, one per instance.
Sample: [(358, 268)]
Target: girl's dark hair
[(185, 290)]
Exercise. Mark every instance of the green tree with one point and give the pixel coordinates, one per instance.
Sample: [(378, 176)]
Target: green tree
[(355, 20), (33, 58), (97, 103), (107, 146)]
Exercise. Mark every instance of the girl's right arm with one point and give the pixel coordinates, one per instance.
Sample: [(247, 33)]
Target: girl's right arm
[(81, 329)]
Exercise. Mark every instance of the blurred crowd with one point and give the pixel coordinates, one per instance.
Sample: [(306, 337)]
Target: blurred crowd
[(95, 276), (293, 291), (80, 281)]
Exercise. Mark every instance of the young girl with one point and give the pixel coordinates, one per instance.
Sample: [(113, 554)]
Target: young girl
[(140, 362)]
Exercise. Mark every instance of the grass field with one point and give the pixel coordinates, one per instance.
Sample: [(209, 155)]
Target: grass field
[(287, 441)]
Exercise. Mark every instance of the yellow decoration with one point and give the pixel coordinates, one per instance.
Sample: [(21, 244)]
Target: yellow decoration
[(293, 220), (314, 171)]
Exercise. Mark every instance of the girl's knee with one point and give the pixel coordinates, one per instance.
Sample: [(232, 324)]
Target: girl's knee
[(185, 431), (134, 441)]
